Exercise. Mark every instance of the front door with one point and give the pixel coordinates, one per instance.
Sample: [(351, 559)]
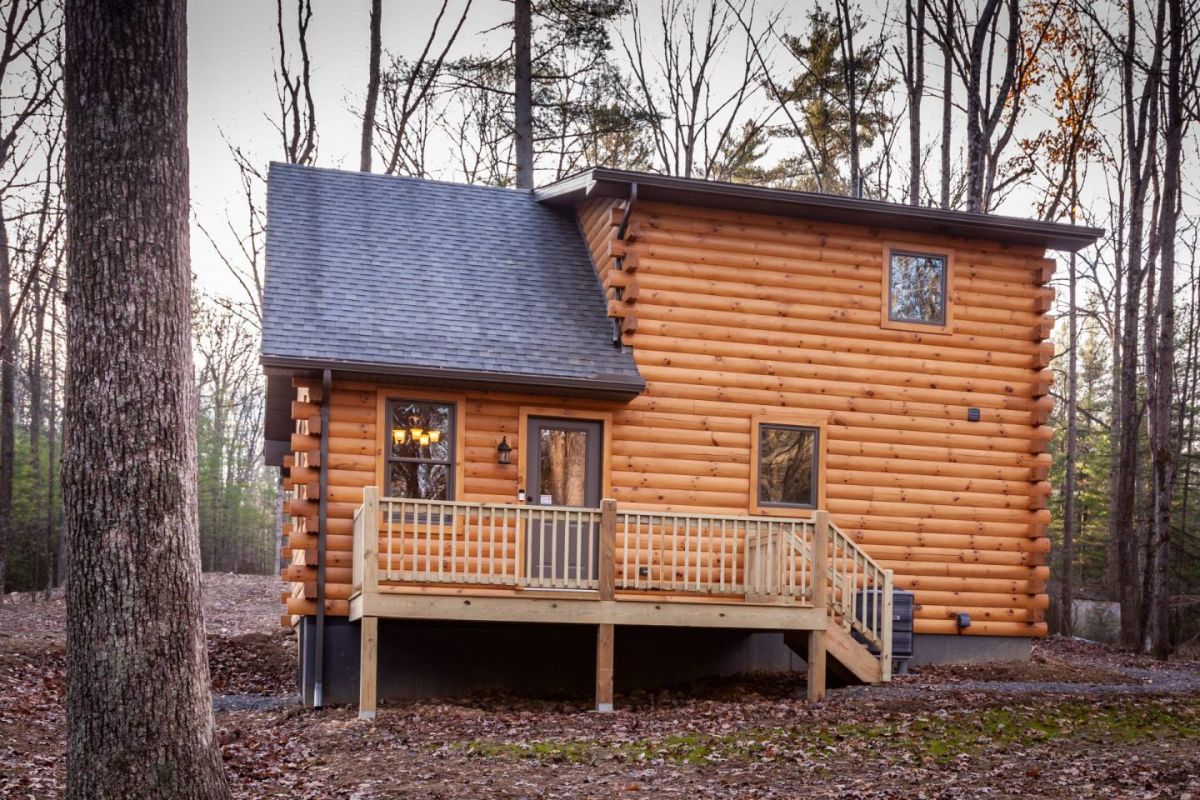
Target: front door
[(564, 471)]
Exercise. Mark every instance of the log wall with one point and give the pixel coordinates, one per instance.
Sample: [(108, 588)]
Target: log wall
[(733, 316), (736, 315)]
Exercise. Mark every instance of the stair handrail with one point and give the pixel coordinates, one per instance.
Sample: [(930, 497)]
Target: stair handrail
[(851, 569), (845, 564)]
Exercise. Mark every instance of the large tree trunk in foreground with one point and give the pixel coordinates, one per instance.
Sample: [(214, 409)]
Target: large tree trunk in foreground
[(140, 721)]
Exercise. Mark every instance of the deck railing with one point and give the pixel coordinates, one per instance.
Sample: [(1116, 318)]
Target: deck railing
[(543, 547), (760, 559)]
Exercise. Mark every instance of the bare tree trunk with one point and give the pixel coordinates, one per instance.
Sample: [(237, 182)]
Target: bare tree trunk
[(845, 21), (1067, 579), (1139, 135), (915, 83), (1162, 446), (947, 101), (8, 356), (523, 118), (1114, 559), (53, 532), (37, 387), (368, 126), (984, 116), (139, 710)]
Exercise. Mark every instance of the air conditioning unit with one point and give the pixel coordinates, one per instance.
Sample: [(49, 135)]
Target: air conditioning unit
[(902, 624)]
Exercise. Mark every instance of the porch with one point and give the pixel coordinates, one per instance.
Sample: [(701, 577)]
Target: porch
[(485, 562)]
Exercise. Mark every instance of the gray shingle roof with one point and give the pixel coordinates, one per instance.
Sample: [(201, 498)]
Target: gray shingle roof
[(426, 277)]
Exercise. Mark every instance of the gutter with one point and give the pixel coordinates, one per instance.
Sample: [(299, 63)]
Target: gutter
[(605, 182), (614, 386)]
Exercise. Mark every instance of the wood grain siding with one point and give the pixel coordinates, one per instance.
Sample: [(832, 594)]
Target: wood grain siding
[(736, 316), (733, 317)]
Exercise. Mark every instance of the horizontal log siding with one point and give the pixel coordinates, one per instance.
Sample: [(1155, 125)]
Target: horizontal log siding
[(734, 315), (739, 315)]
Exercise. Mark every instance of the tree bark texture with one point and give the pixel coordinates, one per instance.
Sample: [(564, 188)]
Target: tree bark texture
[(368, 127), (1067, 597), (947, 101), (8, 362), (1138, 110), (1162, 444), (915, 80), (140, 721), (523, 116)]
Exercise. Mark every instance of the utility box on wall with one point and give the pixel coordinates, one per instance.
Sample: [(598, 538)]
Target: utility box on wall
[(902, 624)]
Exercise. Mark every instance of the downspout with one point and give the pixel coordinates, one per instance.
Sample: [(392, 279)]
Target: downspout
[(619, 261), (322, 517), (628, 210)]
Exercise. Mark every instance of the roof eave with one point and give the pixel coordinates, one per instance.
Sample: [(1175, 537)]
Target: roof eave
[(605, 182), (618, 387)]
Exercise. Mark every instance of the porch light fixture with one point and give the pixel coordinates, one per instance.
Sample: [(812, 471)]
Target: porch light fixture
[(504, 449)]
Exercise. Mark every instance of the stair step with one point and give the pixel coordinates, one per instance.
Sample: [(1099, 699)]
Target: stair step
[(847, 661)]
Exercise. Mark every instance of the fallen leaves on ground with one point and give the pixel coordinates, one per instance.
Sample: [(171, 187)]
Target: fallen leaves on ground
[(1078, 721)]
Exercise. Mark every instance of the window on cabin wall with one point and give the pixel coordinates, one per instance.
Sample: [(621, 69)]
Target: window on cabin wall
[(788, 465), (916, 290), (421, 451)]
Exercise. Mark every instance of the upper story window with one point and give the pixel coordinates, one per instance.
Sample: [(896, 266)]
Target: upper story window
[(916, 290), (788, 465), (420, 462)]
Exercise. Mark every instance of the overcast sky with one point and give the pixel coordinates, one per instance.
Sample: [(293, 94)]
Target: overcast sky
[(232, 52)]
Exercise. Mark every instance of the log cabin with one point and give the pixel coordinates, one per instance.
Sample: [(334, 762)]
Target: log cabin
[(642, 429)]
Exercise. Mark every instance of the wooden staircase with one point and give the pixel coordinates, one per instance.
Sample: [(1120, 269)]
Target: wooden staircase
[(848, 662), (834, 654)]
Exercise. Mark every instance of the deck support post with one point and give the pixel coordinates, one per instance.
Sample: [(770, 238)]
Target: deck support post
[(607, 572), (820, 597), (368, 667), (816, 666), (604, 667)]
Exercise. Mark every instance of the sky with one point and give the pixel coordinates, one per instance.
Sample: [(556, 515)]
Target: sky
[(233, 49), (232, 52)]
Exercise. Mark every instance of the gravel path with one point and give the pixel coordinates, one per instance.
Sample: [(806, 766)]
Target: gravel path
[(253, 702)]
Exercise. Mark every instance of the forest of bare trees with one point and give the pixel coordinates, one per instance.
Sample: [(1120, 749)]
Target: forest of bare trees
[(1056, 109)]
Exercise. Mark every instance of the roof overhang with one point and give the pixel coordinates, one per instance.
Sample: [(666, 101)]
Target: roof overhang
[(605, 182), (280, 371), (605, 387)]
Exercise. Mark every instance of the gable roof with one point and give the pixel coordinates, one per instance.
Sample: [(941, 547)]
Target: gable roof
[(605, 182), (435, 281)]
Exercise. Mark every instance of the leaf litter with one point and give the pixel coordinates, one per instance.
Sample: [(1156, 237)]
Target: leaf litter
[(1079, 720)]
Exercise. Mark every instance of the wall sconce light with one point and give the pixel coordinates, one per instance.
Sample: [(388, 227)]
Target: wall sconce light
[(504, 449)]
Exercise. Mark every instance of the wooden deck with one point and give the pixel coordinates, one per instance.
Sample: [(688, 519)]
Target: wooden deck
[(484, 562)]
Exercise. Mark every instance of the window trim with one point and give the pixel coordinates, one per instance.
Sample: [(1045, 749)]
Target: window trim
[(817, 422), (383, 401), (885, 314)]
